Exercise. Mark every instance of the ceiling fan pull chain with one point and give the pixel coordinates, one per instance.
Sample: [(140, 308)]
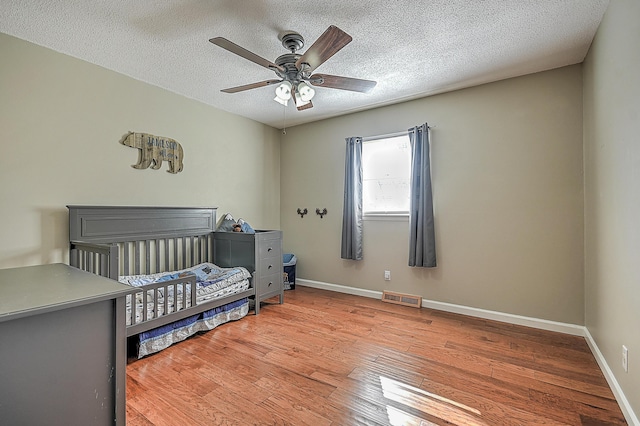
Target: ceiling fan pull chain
[(284, 119)]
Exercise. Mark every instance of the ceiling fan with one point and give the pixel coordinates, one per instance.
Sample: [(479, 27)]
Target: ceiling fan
[(295, 70)]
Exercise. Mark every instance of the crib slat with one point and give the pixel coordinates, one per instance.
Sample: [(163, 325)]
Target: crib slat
[(194, 293), (189, 251), (129, 302), (104, 266), (157, 245), (156, 303), (166, 255), (136, 257), (192, 246), (147, 256), (141, 317), (114, 258), (126, 259), (184, 294), (144, 305), (166, 298), (73, 257), (184, 251), (91, 268), (134, 308), (175, 253)]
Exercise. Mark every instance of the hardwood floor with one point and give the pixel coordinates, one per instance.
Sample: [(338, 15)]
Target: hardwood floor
[(326, 358)]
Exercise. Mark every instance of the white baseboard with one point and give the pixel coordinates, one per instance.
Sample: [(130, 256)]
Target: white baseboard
[(622, 400), (340, 288), (561, 327), (573, 329), (576, 330)]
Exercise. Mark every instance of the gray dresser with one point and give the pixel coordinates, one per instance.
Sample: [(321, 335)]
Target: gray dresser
[(62, 348), (260, 253)]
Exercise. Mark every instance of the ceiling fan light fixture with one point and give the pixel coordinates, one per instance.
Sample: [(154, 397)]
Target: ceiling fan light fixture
[(281, 101), (305, 91), (283, 92), (299, 101)]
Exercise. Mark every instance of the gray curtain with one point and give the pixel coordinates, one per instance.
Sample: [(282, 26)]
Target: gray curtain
[(352, 208), (422, 244)]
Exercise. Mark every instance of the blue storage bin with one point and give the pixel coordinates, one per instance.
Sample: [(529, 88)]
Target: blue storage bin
[(289, 261)]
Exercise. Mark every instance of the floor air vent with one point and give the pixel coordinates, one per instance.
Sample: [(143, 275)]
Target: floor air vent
[(402, 299)]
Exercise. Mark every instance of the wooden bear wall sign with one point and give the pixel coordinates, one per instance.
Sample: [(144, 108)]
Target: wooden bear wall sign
[(153, 150)]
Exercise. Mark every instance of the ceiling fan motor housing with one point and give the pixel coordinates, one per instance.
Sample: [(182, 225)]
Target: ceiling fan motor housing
[(292, 41), (288, 62)]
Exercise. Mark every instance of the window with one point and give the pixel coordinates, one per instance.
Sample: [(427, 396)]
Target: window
[(386, 167)]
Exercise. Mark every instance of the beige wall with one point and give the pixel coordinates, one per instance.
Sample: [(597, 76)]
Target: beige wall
[(612, 192), (507, 181), (60, 123)]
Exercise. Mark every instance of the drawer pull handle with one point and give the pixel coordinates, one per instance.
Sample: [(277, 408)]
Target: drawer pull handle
[(269, 284), (270, 248), (270, 266)]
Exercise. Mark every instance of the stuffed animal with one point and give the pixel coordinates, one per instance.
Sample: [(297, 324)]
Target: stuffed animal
[(237, 227)]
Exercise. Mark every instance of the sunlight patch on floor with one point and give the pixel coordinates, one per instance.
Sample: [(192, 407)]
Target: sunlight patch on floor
[(425, 402)]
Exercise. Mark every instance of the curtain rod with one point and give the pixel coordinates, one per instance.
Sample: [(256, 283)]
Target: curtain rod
[(387, 136)]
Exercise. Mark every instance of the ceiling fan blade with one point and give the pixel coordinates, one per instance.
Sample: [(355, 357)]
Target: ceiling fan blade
[(330, 42), (250, 86), (241, 51), (343, 83)]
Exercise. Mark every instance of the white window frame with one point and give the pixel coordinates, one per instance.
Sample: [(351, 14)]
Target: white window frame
[(385, 215)]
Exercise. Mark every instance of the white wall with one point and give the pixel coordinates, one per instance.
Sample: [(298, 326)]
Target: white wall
[(612, 192), (508, 194), (61, 120)]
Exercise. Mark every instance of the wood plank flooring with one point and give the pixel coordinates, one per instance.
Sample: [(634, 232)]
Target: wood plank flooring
[(325, 358)]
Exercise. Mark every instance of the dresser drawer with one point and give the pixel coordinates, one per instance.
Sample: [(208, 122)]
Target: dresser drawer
[(270, 247), (272, 283), (270, 265)]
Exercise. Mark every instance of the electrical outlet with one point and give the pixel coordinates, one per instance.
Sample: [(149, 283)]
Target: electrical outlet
[(625, 358), (387, 275)]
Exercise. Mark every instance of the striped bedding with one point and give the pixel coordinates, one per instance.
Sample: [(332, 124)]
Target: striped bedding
[(212, 282)]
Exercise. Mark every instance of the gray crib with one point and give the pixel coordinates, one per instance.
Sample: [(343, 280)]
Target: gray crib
[(113, 241)]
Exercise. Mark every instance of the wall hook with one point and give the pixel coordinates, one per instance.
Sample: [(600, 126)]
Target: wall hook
[(302, 212), (322, 212)]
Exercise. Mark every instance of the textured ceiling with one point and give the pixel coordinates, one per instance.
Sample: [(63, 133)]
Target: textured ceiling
[(411, 48)]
